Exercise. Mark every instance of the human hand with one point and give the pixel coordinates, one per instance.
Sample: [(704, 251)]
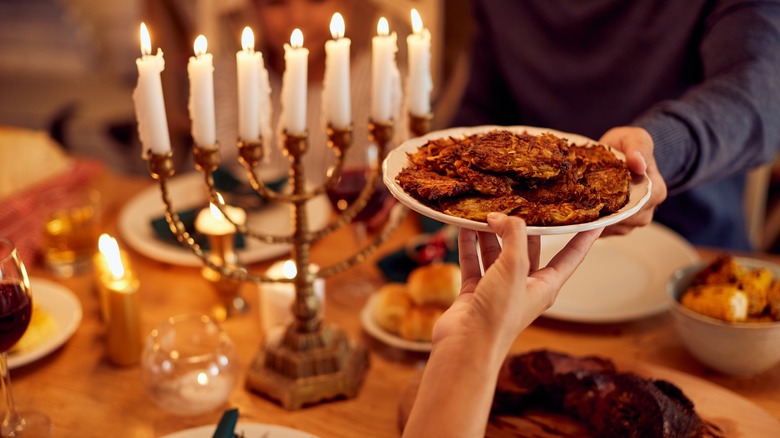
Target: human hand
[(513, 292), (637, 145)]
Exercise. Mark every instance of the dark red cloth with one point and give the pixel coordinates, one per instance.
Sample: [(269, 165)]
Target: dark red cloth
[(20, 215)]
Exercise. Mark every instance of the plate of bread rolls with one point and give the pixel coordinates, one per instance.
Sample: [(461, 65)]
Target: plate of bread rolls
[(403, 314)]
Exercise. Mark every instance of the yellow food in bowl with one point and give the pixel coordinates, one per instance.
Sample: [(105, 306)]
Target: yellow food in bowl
[(730, 292)]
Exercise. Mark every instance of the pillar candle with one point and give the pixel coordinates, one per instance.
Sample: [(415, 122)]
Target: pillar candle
[(200, 70), (336, 103), (419, 82), (294, 83), (211, 221), (120, 305), (148, 99), (276, 299), (254, 91)]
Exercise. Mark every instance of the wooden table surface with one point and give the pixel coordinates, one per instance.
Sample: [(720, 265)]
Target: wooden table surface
[(86, 396)]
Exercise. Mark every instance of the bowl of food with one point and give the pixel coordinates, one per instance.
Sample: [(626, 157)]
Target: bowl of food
[(727, 313)]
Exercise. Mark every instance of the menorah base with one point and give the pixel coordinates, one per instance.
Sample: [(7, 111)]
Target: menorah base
[(295, 371)]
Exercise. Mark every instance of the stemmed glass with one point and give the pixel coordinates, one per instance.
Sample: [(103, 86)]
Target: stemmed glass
[(15, 314), (354, 177)]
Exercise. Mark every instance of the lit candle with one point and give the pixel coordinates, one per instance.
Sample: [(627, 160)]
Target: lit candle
[(211, 221), (276, 299), (294, 84), (385, 78), (200, 70), (118, 288), (419, 82), (254, 91), (148, 98), (335, 95)]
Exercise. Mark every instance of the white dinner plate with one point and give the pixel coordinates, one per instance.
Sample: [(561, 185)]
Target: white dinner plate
[(622, 278), (63, 306), (397, 160), (188, 191), (371, 327), (250, 430)]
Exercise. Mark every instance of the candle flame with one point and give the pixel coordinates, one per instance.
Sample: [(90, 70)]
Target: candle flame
[(203, 379), (200, 46), (417, 24), (289, 270), (337, 26), (383, 27), (146, 41), (296, 39), (215, 211), (248, 40), (110, 250)]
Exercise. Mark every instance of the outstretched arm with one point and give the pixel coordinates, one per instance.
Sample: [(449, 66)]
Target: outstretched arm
[(472, 338)]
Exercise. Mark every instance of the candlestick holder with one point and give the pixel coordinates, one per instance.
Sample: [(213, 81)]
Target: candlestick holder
[(311, 361), (223, 253)]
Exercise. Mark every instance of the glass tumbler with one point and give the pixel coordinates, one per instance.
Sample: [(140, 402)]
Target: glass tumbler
[(190, 365)]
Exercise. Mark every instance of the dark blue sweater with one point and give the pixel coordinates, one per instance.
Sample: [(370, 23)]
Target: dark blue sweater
[(703, 77)]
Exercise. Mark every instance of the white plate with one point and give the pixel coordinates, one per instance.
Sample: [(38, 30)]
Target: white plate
[(63, 306), (379, 333), (188, 191), (397, 160), (250, 430), (622, 278)]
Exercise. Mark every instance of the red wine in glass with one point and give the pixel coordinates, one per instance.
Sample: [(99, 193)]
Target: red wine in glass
[(347, 190), (15, 313)]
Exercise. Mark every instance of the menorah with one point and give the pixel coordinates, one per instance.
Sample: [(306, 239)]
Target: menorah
[(311, 361)]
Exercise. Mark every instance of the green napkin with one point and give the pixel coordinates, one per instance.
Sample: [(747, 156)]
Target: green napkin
[(227, 424)]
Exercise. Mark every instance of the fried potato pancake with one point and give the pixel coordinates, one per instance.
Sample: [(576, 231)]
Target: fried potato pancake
[(540, 178)]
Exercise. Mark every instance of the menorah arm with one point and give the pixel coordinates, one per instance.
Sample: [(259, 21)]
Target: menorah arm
[(397, 215)]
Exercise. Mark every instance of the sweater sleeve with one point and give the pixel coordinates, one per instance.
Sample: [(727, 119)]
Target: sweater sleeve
[(730, 122), (486, 99)]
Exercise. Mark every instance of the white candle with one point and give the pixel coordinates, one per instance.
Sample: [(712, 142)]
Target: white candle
[(276, 299), (211, 221), (148, 99), (254, 91), (294, 83), (195, 391), (200, 70), (419, 82), (385, 78), (335, 94)]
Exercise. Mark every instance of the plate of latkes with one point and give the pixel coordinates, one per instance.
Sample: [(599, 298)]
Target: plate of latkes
[(558, 182)]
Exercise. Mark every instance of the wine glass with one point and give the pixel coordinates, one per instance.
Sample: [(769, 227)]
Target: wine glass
[(15, 314), (354, 176)]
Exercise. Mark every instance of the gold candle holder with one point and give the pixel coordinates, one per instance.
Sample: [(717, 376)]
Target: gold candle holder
[(419, 125), (223, 254), (311, 361)]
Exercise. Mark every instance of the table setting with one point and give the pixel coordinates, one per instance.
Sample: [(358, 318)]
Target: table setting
[(241, 303)]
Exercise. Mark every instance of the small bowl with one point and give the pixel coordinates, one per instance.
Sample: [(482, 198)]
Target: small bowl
[(734, 349)]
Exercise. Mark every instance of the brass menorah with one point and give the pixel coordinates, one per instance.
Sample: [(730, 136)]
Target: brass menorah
[(311, 361)]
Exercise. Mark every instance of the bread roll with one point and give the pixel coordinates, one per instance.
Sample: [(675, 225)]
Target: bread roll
[(27, 157), (391, 306), (438, 284), (417, 324)]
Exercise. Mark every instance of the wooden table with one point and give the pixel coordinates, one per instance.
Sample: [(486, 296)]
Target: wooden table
[(86, 396)]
